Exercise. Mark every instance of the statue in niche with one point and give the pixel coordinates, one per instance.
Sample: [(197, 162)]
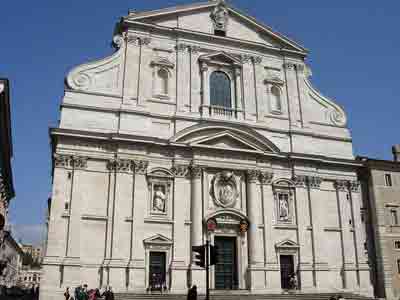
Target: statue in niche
[(159, 198), (283, 207), (220, 17)]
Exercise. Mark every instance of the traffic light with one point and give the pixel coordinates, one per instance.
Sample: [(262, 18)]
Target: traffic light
[(213, 255), (200, 257)]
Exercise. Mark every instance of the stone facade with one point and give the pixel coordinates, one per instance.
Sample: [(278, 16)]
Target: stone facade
[(381, 190), (143, 159)]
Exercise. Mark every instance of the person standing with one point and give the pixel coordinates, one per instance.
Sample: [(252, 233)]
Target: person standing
[(108, 294), (67, 294), (192, 294)]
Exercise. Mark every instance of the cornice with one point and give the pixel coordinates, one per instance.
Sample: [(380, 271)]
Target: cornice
[(193, 118), (115, 137)]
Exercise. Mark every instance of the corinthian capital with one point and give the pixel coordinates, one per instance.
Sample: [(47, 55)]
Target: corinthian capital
[(314, 182), (180, 170), (253, 176), (266, 177), (62, 161), (355, 186), (196, 171), (140, 166), (341, 185), (120, 165), (79, 162)]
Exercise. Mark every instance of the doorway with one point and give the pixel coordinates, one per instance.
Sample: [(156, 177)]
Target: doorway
[(226, 275), (287, 270), (157, 271)]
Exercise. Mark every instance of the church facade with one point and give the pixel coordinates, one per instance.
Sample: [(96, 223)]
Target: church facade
[(203, 125)]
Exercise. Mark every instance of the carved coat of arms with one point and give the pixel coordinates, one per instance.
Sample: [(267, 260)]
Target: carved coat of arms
[(224, 189)]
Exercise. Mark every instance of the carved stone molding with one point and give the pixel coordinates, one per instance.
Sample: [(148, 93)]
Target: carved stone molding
[(224, 189), (181, 47), (79, 162), (194, 49), (300, 180), (61, 160), (196, 171), (341, 185), (314, 182), (220, 16), (180, 170), (257, 60), (300, 67), (354, 186), (120, 165), (253, 176), (69, 161), (289, 66), (266, 177), (140, 166), (138, 40), (118, 41)]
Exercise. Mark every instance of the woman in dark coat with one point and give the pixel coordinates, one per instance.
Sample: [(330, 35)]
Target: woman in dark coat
[(192, 294)]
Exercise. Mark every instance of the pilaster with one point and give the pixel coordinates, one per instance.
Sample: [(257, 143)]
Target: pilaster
[(181, 232), (255, 248)]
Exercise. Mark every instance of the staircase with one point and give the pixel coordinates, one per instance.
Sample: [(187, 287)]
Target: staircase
[(235, 296)]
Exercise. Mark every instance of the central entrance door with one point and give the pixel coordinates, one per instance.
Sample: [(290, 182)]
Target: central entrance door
[(226, 276), (157, 270), (287, 270)]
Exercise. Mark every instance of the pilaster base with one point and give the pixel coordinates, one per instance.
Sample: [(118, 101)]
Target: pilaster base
[(198, 278)]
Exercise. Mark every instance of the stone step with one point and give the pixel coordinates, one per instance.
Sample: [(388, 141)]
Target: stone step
[(229, 295)]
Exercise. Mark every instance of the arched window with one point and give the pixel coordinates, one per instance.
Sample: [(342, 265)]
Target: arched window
[(220, 89), (163, 77), (276, 102)]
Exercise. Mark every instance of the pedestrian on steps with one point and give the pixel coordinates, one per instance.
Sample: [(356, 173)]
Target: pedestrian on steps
[(192, 294)]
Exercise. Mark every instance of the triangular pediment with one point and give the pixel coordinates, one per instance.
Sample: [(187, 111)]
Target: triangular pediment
[(287, 244), (225, 137), (222, 57), (197, 17), (227, 141), (158, 239)]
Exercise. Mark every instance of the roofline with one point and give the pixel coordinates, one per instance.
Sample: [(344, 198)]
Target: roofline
[(367, 161), (190, 7), (218, 38)]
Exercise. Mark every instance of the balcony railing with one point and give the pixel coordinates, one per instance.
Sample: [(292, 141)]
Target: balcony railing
[(219, 112)]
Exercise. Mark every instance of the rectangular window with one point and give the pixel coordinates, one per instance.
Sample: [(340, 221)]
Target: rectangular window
[(388, 180), (397, 245), (394, 217), (398, 266)]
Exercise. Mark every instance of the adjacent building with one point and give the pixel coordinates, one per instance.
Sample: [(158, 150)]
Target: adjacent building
[(203, 124), (6, 152), (10, 252), (30, 277), (34, 251), (381, 186)]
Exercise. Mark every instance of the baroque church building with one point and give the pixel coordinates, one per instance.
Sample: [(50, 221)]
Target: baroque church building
[(202, 125)]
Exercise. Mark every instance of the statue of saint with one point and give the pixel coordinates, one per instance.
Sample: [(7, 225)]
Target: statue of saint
[(283, 207), (159, 198)]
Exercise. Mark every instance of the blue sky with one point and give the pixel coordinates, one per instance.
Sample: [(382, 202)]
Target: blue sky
[(354, 57)]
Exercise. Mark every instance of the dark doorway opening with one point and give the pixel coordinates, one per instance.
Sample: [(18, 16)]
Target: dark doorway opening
[(287, 270), (226, 275), (157, 271)]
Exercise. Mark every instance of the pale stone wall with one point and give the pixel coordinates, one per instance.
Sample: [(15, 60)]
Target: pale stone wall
[(119, 138)]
